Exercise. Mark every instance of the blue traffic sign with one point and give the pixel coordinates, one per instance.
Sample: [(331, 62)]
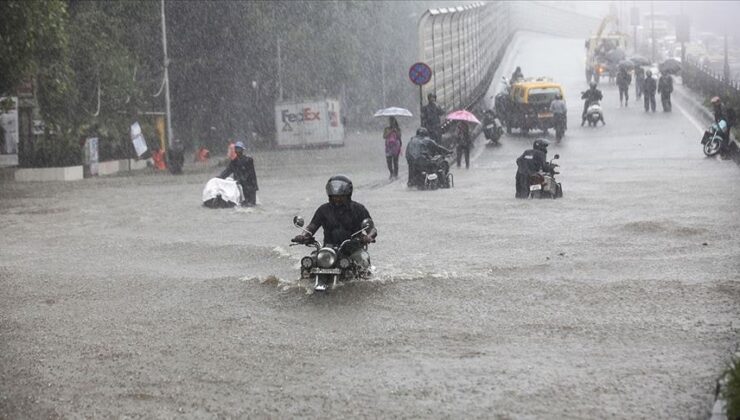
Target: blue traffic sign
[(420, 74)]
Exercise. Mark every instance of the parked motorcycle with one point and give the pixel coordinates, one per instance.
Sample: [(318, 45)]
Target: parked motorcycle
[(331, 264), (543, 184), (594, 114), (712, 139), (560, 122)]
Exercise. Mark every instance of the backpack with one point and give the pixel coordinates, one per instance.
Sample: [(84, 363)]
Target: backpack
[(393, 143)]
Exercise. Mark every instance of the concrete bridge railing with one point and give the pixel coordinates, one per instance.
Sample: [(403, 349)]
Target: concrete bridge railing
[(464, 45)]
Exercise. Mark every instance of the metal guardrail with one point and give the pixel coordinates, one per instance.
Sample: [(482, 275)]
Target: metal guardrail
[(460, 44), (708, 82), (464, 45)]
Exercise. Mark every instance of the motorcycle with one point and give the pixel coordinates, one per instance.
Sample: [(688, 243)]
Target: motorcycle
[(492, 129), (543, 184), (436, 174), (712, 139), (331, 264), (593, 114), (559, 126)]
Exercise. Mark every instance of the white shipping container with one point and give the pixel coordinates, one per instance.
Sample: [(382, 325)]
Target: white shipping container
[(309, 123)]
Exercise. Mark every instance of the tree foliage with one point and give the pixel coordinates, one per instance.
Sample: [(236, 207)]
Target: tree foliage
[(224, 77)]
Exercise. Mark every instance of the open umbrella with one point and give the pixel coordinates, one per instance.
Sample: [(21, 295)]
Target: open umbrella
[(615, 55), (670, 65), (462, 115), (639, 60), (393, 112), (626, 64)]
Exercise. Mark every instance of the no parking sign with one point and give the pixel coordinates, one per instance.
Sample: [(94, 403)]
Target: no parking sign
[(420, 74)]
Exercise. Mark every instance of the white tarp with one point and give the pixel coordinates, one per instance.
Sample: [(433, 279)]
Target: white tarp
[(138, 139), (226, 188)]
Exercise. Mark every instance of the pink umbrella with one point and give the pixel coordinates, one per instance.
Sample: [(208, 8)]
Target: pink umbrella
[(462, 115)]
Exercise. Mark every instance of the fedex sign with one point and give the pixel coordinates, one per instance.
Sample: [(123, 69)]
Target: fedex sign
[(305, 115)]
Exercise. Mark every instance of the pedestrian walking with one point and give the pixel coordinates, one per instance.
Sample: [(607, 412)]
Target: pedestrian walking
[(648, 90), (639, 81), (463, 143), (393, 143), (665, 87), (242, 171), (623, 82)]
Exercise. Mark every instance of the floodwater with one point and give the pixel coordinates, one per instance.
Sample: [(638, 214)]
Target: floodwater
[(123, 297)]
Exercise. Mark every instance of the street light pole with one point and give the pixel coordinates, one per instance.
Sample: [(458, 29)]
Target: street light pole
[(166, 79), (652, 31)]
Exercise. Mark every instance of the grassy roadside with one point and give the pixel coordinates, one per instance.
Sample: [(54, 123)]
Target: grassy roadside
[(731, 391)]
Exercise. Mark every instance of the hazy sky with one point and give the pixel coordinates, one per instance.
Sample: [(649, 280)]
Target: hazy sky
[(714, 16)]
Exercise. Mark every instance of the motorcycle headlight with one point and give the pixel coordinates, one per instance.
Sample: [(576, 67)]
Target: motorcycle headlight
[(306, 262), (344, 263), (326, 258)]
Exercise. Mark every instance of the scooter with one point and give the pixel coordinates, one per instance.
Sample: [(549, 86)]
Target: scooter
[(492, 129), (560, 123), (594, 114), (543, 184), (329, 265), (712, 139)]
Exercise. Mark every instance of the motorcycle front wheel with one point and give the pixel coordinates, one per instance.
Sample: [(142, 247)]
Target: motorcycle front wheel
[(712, 147)]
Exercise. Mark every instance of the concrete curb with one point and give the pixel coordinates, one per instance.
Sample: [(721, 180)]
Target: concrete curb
[(71, 173)]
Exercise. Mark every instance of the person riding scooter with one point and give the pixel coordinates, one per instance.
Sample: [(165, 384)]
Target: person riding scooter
[(530, 162), (589, 97), (419, 153), (492, 128)]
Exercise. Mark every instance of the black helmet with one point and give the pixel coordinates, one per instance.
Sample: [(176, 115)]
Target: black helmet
[(541, 145), (339, 185), (422, 132), (432, 95)]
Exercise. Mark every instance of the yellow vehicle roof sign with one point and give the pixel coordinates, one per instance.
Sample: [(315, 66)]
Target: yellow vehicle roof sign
[(520, 90)]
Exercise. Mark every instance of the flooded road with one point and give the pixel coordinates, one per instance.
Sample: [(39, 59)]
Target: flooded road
[(123, 297)]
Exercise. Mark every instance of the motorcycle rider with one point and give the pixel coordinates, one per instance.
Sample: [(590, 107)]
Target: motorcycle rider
[(559, 111), (489, 118), (242, 167), (340, 217), (431, 115), (721, 114), (516, 75), (530, 162), (419, 152), (593, 94), (648, 90), (665, 87)]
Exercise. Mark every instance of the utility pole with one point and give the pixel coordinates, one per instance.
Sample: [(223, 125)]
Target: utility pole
[(727, 64), (652, 30), (279, 71), (166, 79)]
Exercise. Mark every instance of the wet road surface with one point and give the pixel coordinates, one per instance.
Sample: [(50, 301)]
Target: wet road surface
[(122, 296)]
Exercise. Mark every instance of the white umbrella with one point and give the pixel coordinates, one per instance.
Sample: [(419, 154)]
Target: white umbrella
[(393, 112)]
